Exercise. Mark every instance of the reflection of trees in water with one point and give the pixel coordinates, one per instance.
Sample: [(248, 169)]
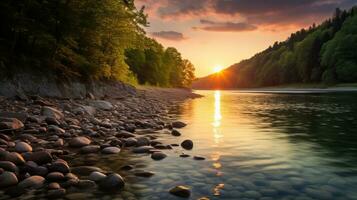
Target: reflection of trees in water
[(184, 107), (329, 120)]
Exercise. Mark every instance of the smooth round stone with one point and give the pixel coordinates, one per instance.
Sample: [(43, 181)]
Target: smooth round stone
[(130, 142), (8, 179), (184, 155), (53, 186), (142, 149), (199, 158), (175, 132), (56, 193), (96, 176), (142, 141), (40, 157), (55, 176), (144, 174), (22, 147), (181, 191), (8, 166), (112, 182), (187, 144), (13, 157), (90, 149), (79, 142), (158, 156), (32, 182), (59, 166), (178, 124), (111, 150)]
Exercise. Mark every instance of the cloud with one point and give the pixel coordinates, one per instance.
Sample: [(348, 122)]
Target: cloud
[(169, 35), (258, 12), (209, 25)]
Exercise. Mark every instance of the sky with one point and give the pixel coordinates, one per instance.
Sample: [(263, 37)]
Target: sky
[(212, 33)]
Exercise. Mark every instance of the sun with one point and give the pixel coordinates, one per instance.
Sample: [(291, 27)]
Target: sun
[(217, 68)]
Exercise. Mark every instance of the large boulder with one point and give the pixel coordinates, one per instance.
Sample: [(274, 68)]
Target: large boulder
[(103, 105)]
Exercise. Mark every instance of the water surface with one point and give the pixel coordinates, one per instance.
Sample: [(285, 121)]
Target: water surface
[(258, 146)]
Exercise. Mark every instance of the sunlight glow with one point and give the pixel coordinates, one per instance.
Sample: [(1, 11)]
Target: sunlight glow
[(217, 68)]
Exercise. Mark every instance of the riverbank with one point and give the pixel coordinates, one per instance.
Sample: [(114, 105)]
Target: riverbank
[(41, 137)]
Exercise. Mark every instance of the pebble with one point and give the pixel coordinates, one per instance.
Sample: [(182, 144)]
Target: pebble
[(52, 113), (178, 124), (199, 158), (142, 149), (175, 132), (187, 144), (13, 157), (56, 193), (112, 182), (90, 149), (181, 191), (40, 157), (22, 147), (32, 182), (144, 174), (53, 186), (8, 166), (55, 176), (96, 176), (158, 156), (79, 142), (111, 150), (8, 179)]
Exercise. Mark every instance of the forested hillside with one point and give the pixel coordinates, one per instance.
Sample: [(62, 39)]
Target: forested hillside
[(86, 39), (326, 53)]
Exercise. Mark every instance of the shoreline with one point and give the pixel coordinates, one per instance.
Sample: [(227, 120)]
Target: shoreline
[(40, 137)]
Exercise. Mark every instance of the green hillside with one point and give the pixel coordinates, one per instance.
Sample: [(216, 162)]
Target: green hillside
[(325, 54)]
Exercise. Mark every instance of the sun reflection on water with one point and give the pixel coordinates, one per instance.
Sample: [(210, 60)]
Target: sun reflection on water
[(217, 118)]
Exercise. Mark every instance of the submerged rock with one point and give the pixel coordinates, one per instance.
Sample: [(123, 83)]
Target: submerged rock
[(158, 156), (187, 144), (175, 132), (178, 124), (112, 182), (181, 191)]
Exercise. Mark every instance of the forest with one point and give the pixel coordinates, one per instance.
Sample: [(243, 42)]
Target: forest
[(325, 54), (87, 40)]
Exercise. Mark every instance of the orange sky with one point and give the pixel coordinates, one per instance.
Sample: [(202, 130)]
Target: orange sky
[(223, 32)]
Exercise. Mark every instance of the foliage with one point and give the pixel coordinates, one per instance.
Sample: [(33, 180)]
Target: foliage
[(80, 38)]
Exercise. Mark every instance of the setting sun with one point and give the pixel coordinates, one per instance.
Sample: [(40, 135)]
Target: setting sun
[(217, 68)]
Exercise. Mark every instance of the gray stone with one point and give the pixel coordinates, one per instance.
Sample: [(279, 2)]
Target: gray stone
[(52, 112), (142, 141), (22, 147), (199, 158), (158, 156), (142, 149), (181, 191), (112, 182), (90, 149), (111, 150), (8, 179), (97, 176), (103, 105)]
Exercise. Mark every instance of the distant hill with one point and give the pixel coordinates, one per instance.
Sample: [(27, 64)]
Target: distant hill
[(326, 53)]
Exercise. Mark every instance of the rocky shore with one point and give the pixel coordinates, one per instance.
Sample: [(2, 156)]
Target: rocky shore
[(40, 136)]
